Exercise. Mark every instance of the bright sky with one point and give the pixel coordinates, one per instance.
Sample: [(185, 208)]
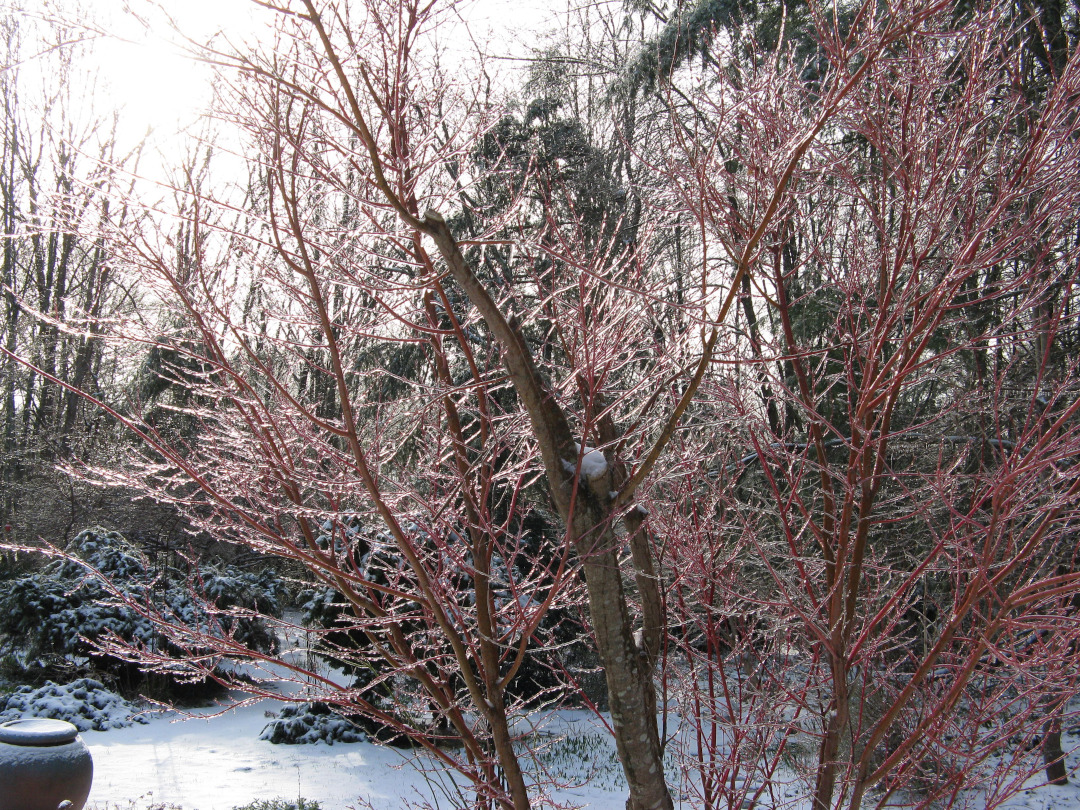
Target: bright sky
[(140, 58), (147, 71), (127, 57), (147, 67)]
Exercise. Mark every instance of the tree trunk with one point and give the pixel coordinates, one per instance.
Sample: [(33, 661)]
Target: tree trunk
[(631, 693), (1053, 756)]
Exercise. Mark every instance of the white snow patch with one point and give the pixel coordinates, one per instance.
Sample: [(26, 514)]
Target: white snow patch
[(213, 760), (593, 462), (218, 763)]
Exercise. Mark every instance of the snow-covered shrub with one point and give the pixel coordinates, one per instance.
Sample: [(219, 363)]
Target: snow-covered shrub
[(84, 703), (107, 552), (59, 608), (338, 640), (259, 591), (341, 641), (305, 723), (66, 607), (280, 804)]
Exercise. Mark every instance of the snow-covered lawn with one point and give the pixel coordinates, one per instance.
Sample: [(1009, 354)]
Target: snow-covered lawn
[(218, 763)]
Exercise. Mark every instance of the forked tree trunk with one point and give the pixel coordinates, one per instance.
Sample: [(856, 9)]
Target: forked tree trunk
[(585, 507)]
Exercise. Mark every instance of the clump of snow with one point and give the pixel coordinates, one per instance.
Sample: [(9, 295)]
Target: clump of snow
[(84, 703), (307, 723), (593, 462)]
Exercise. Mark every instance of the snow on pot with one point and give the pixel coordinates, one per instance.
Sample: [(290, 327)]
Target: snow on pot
[(43, 766)]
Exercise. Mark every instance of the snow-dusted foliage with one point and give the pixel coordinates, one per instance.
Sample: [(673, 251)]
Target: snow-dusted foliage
[(262, 591), (62, 607), (67, 608), (305, 723), (342, 641), (84, 703)]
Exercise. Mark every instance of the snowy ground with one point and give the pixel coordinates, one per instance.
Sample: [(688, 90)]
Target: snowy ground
[(215, 761), (219, 763)]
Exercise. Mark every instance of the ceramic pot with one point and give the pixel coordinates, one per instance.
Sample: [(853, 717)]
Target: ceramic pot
[(44, 765)]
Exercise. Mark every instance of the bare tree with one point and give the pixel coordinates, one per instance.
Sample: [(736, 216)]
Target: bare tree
[(61, 167), (910, 556)]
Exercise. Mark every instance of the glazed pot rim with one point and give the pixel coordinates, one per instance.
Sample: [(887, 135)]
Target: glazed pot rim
[(37, 731)]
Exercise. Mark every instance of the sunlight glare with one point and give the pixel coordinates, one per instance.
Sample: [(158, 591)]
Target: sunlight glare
[(148, 66)]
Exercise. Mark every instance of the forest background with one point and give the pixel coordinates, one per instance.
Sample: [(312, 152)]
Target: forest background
[(728, 351)]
